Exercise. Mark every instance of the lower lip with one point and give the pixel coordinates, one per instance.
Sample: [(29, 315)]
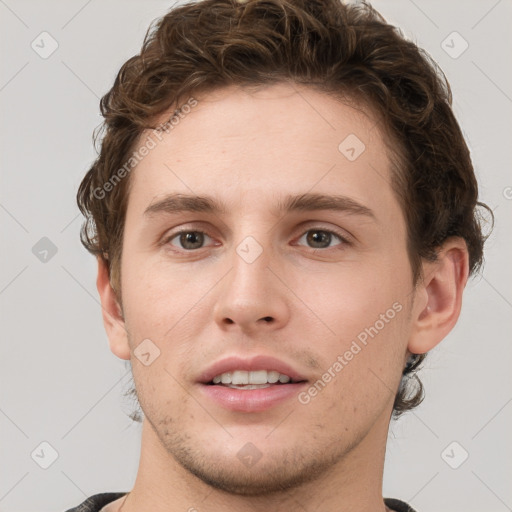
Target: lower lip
[(251, 400)]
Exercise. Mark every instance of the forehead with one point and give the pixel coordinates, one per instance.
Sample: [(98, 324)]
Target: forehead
[(245, 145)]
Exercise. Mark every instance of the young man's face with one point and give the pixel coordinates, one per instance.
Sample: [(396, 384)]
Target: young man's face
[(325, 295)]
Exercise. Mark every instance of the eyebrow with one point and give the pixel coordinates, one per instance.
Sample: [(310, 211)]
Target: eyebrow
[(177, 203)]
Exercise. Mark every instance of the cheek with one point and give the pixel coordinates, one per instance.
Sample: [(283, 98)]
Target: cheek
[(358, 383), (351, 299), (158, 407), (365, 340), (156, 297)]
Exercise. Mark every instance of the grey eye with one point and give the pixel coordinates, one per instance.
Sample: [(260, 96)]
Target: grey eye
[(190, 240), (320, 238)]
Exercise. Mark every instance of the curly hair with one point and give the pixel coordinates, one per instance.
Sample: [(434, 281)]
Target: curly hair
[(345, 50)]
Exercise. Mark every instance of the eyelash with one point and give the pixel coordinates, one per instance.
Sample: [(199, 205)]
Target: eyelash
[(344, 241)]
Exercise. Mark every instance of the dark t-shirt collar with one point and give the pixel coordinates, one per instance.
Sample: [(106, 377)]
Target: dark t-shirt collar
[(98, 501)]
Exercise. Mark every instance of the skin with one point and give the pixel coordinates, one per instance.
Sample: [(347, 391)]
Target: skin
[(198, 305)]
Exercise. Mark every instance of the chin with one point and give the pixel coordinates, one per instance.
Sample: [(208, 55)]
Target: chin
[(272, 470), (264, 478)]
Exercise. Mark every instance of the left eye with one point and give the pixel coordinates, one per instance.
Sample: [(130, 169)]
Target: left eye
[(321, 238)]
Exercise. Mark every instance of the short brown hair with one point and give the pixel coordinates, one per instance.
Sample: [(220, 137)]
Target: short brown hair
[(347, 50)]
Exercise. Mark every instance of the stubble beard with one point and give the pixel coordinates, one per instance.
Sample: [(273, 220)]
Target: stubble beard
[(275, 473)]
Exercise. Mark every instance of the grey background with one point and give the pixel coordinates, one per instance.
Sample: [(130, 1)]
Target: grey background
[(60, 383)]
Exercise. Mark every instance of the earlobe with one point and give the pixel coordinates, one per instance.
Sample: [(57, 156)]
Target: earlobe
[(112, 314), (441, 291)]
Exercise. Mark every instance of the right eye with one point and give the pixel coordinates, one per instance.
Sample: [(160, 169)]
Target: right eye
[(189, 240)]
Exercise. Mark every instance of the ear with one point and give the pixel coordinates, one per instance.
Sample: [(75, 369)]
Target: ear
[(112, 314), (439, 296)]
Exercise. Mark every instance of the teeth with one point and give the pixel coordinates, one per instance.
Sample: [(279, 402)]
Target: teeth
[(258, 377), (247, 379), (225, 378), (241, 378), (273, 377), (249, 386)]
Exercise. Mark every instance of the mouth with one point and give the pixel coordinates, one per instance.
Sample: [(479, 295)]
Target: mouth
[(257, 379), (250, 385)]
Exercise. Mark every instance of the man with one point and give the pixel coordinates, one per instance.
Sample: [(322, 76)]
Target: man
[(284, 216)]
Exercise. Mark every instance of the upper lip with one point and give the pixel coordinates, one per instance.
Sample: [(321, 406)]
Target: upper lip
[(260, 362)]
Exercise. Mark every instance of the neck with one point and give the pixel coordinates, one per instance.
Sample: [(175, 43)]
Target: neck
[(352, 484)]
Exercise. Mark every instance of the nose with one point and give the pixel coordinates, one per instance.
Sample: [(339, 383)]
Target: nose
[(252, 297)]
